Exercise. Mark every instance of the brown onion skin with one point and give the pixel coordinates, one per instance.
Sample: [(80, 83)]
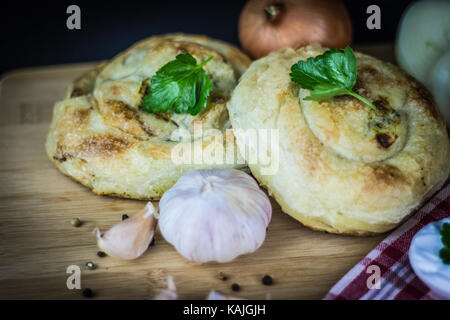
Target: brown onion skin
[(298, 23)]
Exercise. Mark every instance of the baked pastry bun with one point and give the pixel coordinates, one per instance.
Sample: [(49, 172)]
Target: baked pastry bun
[(343, 167), (101, 137)]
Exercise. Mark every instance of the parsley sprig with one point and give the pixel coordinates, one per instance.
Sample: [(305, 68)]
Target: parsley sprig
[(444, 253), (328, 75), (181, 85)]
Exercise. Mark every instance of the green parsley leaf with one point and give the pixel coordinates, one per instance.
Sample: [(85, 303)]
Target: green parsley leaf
[(328, 75), (444, 253), (445, 234), (181, 85)]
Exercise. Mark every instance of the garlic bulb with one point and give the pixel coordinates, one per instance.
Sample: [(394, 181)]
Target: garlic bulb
[(440, 85), (423, 48), (423, 36), (130, 238), (214, 215)]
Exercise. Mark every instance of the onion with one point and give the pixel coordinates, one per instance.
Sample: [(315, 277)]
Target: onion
[(269, 25)]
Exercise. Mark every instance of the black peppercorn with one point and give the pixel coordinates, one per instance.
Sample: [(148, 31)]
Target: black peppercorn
[(235, 287), (90, 265), (267, 280), (124, 217), (101, 254), (87, 293), (75, 222), (222, 276)]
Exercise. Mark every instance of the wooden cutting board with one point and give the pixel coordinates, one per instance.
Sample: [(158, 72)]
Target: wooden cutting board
[(38, 243)]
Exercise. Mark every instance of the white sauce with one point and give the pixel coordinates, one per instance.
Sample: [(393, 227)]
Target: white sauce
[(425, 260)]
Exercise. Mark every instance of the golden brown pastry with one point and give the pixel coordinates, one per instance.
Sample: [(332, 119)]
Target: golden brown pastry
[(343, 167), (100, 137)]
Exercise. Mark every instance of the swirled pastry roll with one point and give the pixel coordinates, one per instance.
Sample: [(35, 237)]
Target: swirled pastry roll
[(343, 167), (101, 137)]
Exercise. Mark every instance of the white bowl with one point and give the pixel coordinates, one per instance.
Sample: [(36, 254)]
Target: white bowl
[(425, 260)]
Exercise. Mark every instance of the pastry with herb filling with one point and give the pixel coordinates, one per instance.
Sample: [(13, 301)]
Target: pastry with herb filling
[(344, 166), (104, 136)]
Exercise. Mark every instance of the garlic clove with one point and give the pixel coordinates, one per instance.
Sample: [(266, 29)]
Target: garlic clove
[(130, 238), (170, 293)]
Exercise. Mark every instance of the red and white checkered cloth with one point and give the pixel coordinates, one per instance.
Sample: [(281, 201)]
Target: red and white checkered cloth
[(398, 281)]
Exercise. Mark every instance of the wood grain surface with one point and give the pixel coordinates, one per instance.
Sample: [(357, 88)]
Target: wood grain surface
[(38, 242)]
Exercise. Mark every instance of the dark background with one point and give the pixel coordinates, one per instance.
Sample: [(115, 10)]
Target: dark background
[(35, 33)]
